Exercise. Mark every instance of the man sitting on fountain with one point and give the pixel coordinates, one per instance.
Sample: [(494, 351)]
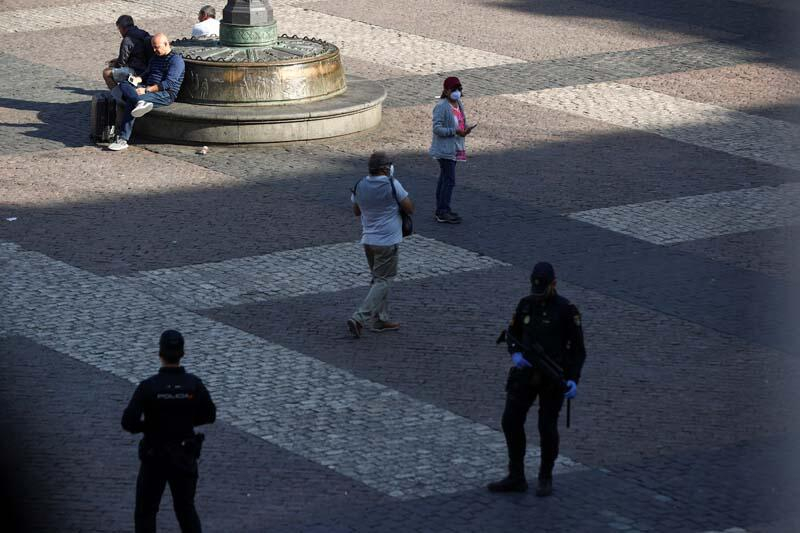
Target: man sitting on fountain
[(162, 81), (134, 51)]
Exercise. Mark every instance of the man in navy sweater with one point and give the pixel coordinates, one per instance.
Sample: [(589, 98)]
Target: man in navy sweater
[(158, 86)]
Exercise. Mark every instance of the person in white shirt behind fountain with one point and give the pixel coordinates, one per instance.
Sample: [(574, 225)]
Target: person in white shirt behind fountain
[(208, 25)]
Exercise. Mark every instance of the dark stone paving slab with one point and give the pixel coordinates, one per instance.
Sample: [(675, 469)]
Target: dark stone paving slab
[(445, 354), (293, 213), (58, 99), (184, 228), (538, 75), (773, 252), (79, 466), (759, 23), (573, 175), (248, 485), (649, 275)]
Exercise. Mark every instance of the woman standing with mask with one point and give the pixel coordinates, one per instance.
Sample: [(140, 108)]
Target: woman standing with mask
[(448, 146)]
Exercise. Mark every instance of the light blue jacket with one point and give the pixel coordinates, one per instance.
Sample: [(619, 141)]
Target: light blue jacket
[(445, 141)]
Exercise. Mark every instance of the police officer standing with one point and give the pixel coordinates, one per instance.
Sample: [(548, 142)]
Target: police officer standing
[(544, 323), (166, 407)]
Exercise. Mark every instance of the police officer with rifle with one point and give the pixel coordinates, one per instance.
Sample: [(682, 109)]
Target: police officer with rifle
[(545, 340), (166, 407)]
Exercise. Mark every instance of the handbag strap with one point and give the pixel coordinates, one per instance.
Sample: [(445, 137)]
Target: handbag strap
[(355, 187), (394, 193)]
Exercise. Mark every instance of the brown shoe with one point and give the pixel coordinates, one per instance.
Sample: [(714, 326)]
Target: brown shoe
[(379, 326), (355, 328)]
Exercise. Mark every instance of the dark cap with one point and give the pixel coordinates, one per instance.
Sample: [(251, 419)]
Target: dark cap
[(452, 83), (379, 160), (541, 277), (171, 340)]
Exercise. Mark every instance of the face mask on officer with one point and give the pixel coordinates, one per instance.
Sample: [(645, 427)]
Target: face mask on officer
[(542, 289)]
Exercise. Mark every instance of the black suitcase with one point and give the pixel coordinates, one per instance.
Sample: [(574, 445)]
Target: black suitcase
[(103, 118)]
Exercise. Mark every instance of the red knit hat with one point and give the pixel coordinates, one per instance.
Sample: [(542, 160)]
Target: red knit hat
[(451, 83)]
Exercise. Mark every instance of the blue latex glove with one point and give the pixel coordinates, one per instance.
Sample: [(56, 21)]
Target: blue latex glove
[(519, 361), (572, 390)]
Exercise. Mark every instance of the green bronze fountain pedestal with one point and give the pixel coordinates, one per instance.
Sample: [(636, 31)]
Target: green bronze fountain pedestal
[(251, 86)]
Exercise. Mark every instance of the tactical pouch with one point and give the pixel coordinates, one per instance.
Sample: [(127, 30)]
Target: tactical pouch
[(194, 445)]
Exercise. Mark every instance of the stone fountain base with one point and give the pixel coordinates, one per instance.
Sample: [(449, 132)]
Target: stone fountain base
[(358, 108)]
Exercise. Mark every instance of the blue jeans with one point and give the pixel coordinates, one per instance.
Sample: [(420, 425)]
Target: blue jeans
[(444, 189), (130, 99), (121, 74)]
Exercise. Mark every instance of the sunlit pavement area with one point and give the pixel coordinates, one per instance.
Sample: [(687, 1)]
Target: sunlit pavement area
[(647, 149)]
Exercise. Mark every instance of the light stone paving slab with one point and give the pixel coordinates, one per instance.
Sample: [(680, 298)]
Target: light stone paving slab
[(412, 53), (703, 216), (364, 430), (291, 273), (385, 46), (548, 30), (70, 16), (706, 125), (760, 88)]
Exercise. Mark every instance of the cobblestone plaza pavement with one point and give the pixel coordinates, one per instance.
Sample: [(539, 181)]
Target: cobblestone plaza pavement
[(647, 149)]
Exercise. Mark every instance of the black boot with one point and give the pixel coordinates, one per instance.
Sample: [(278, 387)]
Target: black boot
[(545, 487), (513, 482)]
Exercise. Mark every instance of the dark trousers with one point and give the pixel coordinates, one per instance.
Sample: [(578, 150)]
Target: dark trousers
[(519, 399), (447, 182), (154, 474)]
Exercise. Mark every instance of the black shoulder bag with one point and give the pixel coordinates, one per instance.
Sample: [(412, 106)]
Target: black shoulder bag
[(408, 224)]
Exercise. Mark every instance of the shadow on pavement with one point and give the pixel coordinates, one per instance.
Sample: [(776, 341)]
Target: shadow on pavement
[(772, 28), (65, 123)]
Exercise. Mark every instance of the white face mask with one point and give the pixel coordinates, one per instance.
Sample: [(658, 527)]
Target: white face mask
[(455, 95), (391, 171)]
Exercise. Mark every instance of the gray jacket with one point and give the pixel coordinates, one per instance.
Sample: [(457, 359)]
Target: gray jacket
[(445, 141)]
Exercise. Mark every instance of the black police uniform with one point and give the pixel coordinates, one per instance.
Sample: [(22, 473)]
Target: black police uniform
[(173, 402), (555, 324)]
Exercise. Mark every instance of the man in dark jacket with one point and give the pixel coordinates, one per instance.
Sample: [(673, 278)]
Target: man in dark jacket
[(158, 86), (544, 322), (166, 407), (134, 53)]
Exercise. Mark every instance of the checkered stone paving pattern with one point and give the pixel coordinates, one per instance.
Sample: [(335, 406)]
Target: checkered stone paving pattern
[(645, 148), (762, 139), (703, 216), (279, 395), (294, 273)]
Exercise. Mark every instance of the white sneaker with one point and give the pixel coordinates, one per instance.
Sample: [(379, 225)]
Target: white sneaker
[(119, 144), (142, 108)]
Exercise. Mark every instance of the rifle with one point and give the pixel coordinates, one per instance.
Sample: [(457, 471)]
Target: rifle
[(541, 361)]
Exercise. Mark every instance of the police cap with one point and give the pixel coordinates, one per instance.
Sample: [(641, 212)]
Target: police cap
[(171, 340), (541, 277)]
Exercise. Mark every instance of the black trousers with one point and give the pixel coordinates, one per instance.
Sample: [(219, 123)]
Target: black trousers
[(154, 474), (520, 395)]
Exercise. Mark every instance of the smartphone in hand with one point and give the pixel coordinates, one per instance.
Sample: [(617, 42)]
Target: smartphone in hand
[(470, 128)]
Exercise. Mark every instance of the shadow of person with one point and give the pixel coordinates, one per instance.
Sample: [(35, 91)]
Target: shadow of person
[(63, 123), (81, 90)]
